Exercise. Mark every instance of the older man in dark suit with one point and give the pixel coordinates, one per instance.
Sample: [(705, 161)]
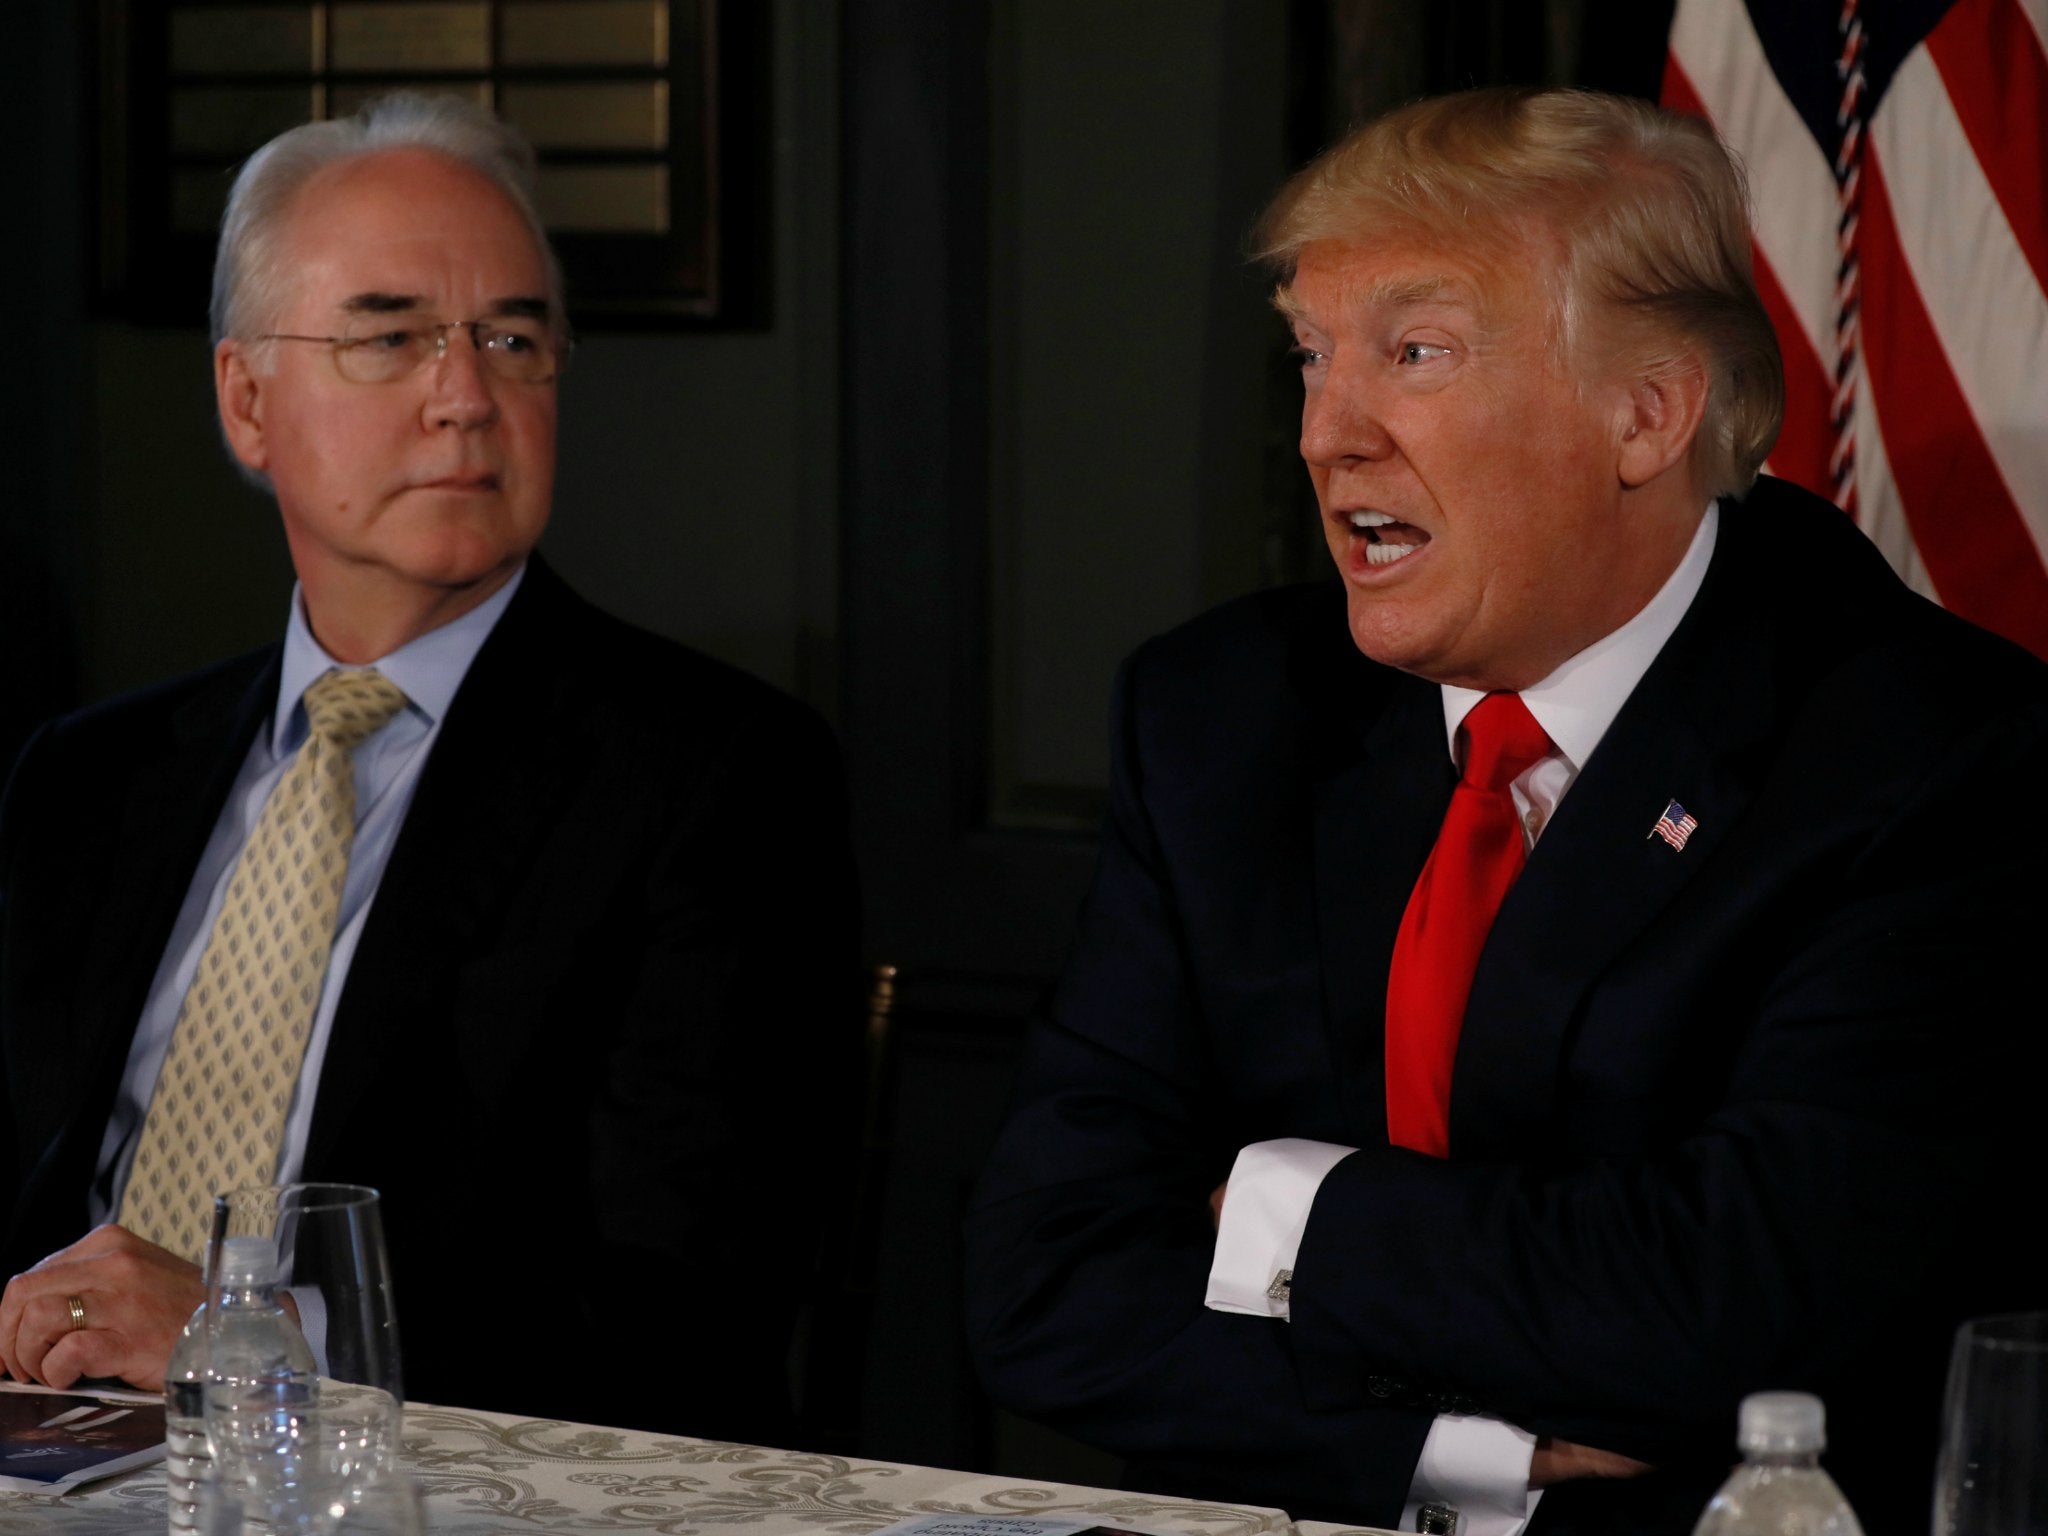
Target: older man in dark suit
[(1567, 974), (540, 924)]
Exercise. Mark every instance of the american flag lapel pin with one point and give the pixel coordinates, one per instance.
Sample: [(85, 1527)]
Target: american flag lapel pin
[(1674, 826)]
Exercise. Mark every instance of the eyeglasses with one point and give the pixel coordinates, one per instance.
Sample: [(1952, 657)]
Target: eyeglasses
[(374, 351)]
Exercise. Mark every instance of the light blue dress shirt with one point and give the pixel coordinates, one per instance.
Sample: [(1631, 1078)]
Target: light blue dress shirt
[(387, 769)]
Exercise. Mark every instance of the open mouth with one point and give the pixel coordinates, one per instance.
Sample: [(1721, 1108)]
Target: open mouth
[(1387, 539)]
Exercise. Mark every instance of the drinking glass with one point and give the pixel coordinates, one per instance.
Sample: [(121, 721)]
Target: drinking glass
[(1992, 1478), (386, 1504), (298, 1450)]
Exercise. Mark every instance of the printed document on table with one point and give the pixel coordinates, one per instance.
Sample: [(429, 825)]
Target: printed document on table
[(53, 1441)]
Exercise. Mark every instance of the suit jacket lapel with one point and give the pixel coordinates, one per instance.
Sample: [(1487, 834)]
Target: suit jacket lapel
[(493, 781), (165, 820), (1376, 814), (145, 859), (1598, 879)]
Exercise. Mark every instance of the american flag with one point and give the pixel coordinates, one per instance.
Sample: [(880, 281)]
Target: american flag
[(1898, 156), (1675, 825)]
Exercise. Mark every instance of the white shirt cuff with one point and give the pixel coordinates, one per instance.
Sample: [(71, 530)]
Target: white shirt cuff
[(312, 1305), (1265, 1212), (1480, 1467)]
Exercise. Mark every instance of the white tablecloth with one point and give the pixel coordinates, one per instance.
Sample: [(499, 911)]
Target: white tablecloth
[(487, 1474)]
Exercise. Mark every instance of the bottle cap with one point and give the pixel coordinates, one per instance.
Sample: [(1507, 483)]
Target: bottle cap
[(1781, 1423), (247, 1261)]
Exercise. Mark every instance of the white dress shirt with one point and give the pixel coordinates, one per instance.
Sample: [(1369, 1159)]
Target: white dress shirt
[(1477, 1463), (387, 767)]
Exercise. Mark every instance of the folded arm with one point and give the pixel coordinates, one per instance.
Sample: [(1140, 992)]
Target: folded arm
[(1622, 1282)]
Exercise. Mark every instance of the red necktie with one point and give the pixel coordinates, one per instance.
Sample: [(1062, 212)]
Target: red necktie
[(1477, 855)]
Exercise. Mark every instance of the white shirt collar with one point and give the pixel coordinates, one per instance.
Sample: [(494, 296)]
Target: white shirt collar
[(1578, 702)]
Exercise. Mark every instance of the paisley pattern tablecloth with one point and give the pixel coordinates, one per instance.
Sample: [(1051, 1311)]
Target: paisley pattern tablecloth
[(486, 1474)]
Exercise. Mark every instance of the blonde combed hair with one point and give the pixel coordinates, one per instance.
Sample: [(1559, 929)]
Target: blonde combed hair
[(1649, 209)]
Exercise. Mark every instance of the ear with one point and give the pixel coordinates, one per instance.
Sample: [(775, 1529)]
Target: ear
[(1660, 420), (238, 391)]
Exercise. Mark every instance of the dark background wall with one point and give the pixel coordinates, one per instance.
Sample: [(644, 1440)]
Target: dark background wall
[(1017, 404)]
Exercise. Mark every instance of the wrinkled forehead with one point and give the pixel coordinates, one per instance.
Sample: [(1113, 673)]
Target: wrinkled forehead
[(1336, 281), (413, 224), (1514, 277)]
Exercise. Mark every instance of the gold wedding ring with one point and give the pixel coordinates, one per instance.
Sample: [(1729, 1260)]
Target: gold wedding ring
[(77, 1306)]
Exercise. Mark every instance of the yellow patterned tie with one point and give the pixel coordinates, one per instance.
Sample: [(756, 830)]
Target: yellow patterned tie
[(218, 1112)]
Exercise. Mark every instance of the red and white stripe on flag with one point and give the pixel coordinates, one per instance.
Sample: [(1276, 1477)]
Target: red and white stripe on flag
[(1901, 189)]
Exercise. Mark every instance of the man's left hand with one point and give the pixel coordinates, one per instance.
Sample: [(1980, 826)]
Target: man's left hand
[(136, 1297)]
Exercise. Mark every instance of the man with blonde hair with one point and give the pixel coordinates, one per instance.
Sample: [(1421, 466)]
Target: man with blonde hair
[(1558, 978), (540, 924)]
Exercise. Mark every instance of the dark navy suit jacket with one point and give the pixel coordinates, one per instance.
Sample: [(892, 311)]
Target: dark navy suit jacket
[(1748, 1115), (595, 1038)]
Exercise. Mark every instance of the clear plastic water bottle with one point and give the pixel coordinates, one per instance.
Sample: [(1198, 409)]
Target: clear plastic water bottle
[(1780, 1488), (256, 1339)]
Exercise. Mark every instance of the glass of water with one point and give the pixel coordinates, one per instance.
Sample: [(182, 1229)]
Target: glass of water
[(301, 1435), (1992, 1478)]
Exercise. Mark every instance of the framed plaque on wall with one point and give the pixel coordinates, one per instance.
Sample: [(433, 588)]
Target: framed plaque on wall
[(648, 117)]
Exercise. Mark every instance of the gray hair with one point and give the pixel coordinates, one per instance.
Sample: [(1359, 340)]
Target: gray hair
[(250, 284), (1648, 207)]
